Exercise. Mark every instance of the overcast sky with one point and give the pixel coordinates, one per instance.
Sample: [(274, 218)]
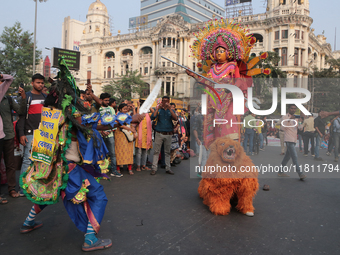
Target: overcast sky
[(51, 15)]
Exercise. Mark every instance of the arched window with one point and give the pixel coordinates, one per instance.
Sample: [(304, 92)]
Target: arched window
[(259, 37), (127, 52), (146, 50), (109, 72), (110, 54)]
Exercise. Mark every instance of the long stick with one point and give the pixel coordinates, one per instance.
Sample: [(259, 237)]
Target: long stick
[(186, 68)]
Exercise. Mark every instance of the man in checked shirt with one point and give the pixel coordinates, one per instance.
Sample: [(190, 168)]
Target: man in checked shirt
[(290, 127)]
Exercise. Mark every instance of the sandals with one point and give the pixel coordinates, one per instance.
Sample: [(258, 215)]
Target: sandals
[(130, 172), (145, 168), (99, 245), (138, 169), (3, 201), (14, 194), (26, 229)]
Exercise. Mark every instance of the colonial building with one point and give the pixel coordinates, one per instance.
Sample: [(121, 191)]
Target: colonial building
[(284, 28)]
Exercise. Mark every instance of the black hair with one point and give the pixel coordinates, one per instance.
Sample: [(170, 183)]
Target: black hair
[(87, 90), (112, 100), (82, 92), (173, 104), (121, 106), (38, 76), (290, 105), (104, 95), (58, 90), (166, 97)]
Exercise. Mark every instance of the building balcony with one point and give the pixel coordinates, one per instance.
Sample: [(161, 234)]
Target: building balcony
[(250, 18), (164, 70), (145, 56), (258, 46), (291, 12), (168, 50), (109, 60), (126, 58)]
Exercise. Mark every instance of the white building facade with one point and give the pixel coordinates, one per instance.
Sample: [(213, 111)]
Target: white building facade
[(72, 32), (284, 28)]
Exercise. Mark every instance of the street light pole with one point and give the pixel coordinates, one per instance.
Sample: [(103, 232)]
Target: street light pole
[(35, 31), (35, 34)]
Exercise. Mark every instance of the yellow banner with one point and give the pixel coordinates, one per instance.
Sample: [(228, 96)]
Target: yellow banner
[(44, 138)]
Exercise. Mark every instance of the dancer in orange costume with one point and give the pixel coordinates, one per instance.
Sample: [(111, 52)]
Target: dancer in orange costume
[(217, 188)]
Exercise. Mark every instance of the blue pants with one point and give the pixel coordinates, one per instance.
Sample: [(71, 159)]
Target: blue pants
[(300, 141), (317, 145), (110, 144), (95, 197), (336, 137), (27, 153), (261, 140), (248, 134), (291, 153)]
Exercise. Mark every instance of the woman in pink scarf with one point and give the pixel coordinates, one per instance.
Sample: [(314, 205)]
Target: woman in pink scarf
[(144, 141)]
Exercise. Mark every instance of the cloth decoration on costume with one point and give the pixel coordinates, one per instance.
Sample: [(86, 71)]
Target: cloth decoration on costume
[(123, 118), (90, 118), (108, 119)]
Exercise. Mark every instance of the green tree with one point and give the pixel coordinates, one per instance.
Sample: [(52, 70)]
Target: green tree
[(263, 84), (324, 85), (123, 86), (16, 54)]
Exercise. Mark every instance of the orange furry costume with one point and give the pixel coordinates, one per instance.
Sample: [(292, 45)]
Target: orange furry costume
[(218, 188)]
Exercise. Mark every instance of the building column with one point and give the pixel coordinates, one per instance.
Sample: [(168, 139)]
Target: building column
[(181, 51), (164, 86), (171, 82), (280, 55), (291, 44), (153, 55), (156, 53), (322, 61), (319, 61), (185, 52)]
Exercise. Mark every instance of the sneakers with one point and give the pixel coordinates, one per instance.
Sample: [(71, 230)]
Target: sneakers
[(306, 155), (336, 159), (116, 174), (302, 177), (261, 149), (318, 159), (328, 153), (313, 155), (249, 214)]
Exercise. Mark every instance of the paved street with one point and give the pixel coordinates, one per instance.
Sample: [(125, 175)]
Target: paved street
[(163, 214)]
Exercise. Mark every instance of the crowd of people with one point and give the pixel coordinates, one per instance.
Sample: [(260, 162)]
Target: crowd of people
[(166, 130)]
